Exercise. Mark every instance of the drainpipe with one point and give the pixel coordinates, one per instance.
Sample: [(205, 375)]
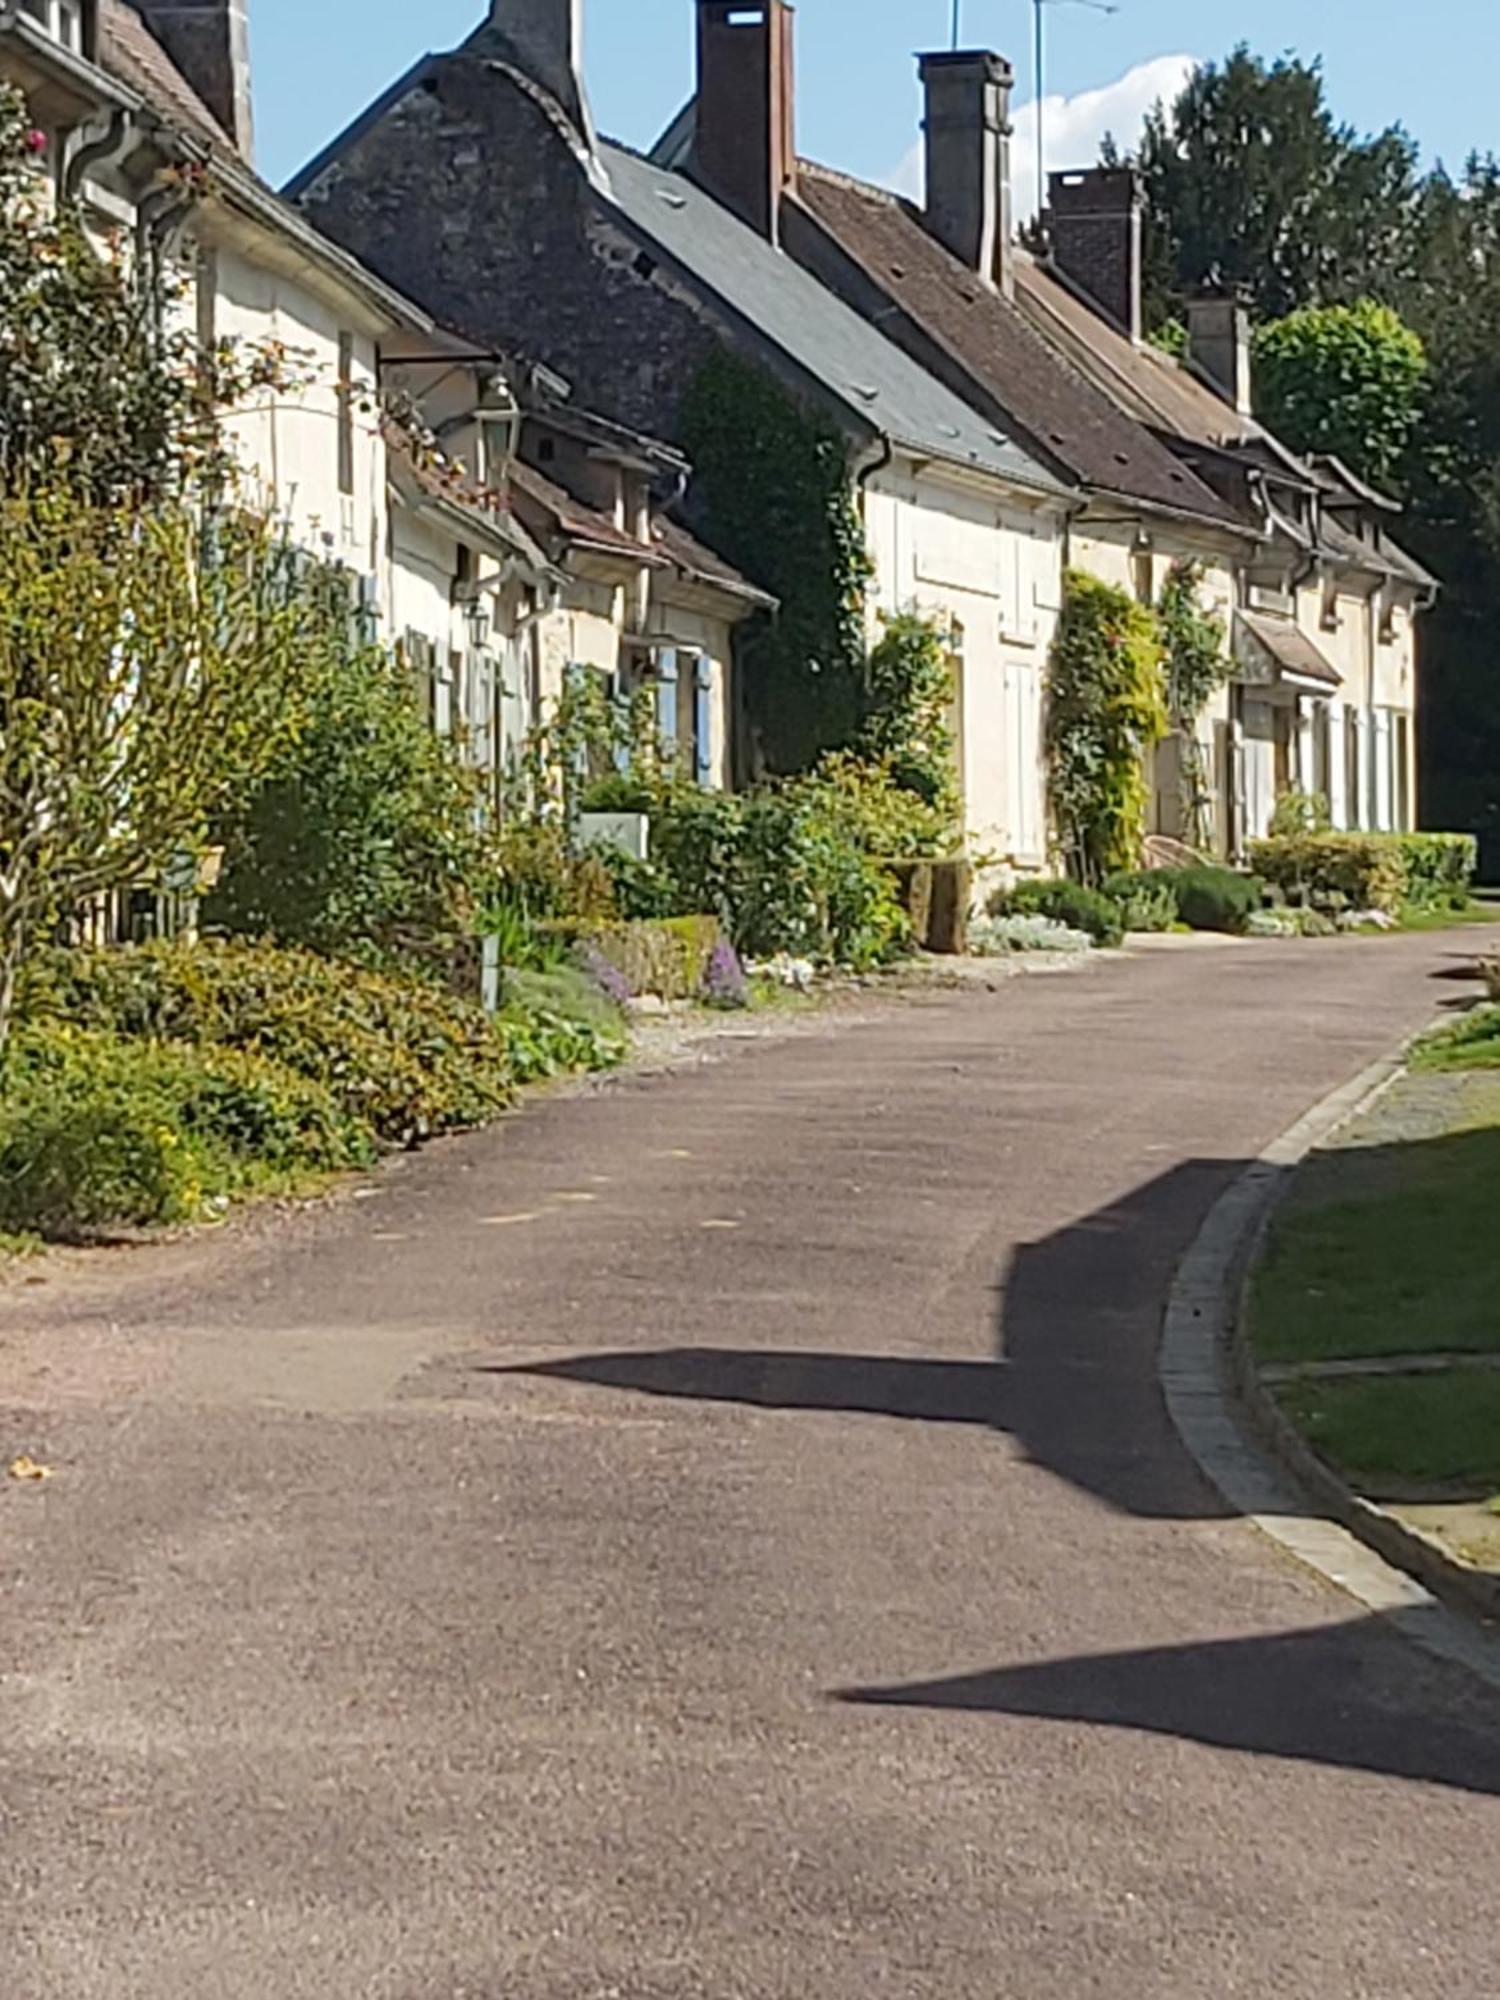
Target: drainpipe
[(107, 150)]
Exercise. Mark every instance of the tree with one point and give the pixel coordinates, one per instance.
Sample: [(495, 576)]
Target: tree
[(146, 670), (1250, 179), (1343, 379)]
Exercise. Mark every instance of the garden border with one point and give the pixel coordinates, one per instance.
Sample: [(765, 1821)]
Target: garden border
[(1260, 1464)]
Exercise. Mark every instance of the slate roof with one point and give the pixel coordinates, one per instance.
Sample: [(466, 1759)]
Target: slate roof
[(872, 377), (1056, 405)]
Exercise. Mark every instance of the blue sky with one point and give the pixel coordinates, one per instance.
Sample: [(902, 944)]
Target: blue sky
[(1431, 66)]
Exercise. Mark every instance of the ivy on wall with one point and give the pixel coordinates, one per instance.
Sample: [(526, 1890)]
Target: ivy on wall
[(1106, 711), (1197, 666), (773, 488)]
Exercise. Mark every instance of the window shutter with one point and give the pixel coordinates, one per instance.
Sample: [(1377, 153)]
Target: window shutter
[(666, 699), (703, 721)]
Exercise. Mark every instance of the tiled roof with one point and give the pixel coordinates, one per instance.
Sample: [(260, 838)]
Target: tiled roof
[(1155, 389), (1055, 404), (687, 553), (575, 520), (1287, 647), (129, 50), (872, 377)]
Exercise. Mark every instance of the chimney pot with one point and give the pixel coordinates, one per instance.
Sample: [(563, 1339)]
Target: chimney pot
[(968, 133), (1095, 229), (745, 143), (1219, 344), (209, 41)]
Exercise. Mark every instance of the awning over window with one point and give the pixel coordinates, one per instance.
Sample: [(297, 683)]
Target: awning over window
[(1272, 652)]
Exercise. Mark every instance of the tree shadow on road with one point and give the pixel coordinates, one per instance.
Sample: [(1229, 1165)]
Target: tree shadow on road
[(1073, 1376), (1340, 1695)]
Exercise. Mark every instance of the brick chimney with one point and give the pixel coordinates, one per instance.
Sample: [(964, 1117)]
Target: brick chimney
[(209, 41), (1219, 343), (545, 37), (1095, 227), (968, 132), (745, 146)]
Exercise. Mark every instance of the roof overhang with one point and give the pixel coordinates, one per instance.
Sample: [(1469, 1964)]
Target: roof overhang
[(1274, 654), (61, 86)]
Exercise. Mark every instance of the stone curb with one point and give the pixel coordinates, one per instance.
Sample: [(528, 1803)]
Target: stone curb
[(1260, 1464)]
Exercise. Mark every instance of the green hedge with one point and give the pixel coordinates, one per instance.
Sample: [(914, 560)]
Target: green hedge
[(1147, 899), (1063, 902), (664, 956), (1368, 871), (1205, 898)]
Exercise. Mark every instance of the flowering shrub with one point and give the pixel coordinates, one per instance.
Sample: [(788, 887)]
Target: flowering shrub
[(724, 982)]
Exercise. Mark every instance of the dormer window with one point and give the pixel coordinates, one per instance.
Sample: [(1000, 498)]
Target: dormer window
[(62, 19)]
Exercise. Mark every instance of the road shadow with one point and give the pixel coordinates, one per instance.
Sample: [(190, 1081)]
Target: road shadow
[(1340, 1695), (1073, 1374)]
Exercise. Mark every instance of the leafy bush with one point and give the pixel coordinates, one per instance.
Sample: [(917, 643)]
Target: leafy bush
[(1334, 871), (1284, 922), (400, 1055), (724, 983), (1215, 899), (1472, 1043), (98, 1130), (1070, 903), (1440, 868), (1147, 899), (1298, 813), (365, 833), (1106, 708), (908, 704), (997, 937), (557, 1023)]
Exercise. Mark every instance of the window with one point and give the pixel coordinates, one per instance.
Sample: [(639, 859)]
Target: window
[(63, 20), (346, 412)]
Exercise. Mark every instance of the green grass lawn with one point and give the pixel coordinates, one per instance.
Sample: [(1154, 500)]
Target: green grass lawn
[(1482, 911), (1408, 1264), (1399, 1435), (1473, 1042)]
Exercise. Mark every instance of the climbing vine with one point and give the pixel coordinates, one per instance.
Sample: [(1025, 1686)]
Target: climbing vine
[(1106, 711), (772, 483), (1196, 665), (908, 709)]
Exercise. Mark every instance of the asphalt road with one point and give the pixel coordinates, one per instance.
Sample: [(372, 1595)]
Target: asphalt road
[(721, 1537)]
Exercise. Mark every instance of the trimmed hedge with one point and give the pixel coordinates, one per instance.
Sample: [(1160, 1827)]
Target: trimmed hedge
[(1369, 871), (1099, 916), (665, 956), (1215, 899)]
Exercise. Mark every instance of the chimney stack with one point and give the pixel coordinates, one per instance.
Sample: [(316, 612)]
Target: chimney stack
[(745, 145), (209, 41), (1219, 343), (1096, 230), (545, 38), (968, 131)]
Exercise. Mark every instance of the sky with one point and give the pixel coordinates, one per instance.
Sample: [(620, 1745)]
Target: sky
[(1431, 67)]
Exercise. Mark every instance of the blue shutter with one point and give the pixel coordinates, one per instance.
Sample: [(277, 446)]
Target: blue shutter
[(666, 700), (703, 720)]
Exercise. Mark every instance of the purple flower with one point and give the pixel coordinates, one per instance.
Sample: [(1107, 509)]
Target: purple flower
[(608, 977), (724, 981)]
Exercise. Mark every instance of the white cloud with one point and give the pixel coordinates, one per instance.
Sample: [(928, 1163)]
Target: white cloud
[(1074, 127)]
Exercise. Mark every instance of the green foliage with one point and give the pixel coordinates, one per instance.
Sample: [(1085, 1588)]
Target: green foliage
[(1334, 871), (98, 1131), (1068, 903), (773, 482), (148, 669), (1298, 813), (1347, 379), (1197, 665), (1215, 899), (667, 956), (1471, 1043), (1147, 899), (1106, 711), (365, 836), (400, 1055), (557, 1022), (1440, 868), (908, 709), (1250, 178)]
